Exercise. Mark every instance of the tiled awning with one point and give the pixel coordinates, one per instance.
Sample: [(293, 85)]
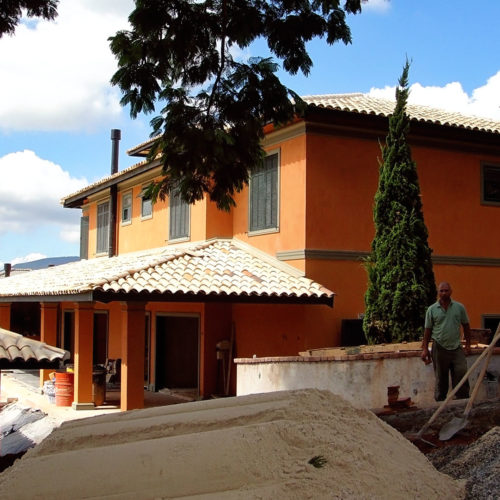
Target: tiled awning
[(17, 351), (217, 270)]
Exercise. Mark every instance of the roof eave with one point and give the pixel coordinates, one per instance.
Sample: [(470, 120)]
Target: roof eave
[(62, 297), (144, 296), (77, 200)]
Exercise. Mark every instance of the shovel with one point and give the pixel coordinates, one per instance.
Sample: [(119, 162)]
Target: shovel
[(458, 423), (443, 404)]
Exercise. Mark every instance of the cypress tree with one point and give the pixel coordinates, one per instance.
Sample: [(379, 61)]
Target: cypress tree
[(401, 280)]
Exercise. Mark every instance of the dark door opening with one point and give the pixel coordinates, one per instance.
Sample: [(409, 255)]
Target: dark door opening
[(147, 349), (68, 333), (100, 338), (177, 352)]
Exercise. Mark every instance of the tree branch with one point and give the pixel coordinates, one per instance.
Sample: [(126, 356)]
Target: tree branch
[(222, 57)]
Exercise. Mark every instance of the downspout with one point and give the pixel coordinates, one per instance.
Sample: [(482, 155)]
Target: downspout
[(113, 194)]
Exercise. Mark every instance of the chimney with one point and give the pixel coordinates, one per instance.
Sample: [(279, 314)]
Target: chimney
[(113, 192), (116, 135), (7, 268)]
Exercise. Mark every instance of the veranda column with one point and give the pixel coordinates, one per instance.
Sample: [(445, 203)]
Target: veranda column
[(5, 315), (84, 343), (48, 330), (132, 368)]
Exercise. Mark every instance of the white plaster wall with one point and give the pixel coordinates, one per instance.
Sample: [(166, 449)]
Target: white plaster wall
[(362, 382)]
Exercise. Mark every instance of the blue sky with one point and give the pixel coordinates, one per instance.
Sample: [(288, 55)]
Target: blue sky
[(57, 107)]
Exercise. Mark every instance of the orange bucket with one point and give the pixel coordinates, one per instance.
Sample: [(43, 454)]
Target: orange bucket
[(64, 388)]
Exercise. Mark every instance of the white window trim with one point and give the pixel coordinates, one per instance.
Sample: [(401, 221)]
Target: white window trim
[(269, 230), (129, 221)]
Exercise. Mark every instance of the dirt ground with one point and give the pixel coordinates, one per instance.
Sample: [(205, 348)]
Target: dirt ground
[(472, 454)]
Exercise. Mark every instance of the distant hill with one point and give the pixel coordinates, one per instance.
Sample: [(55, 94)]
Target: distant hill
[(43, 263)]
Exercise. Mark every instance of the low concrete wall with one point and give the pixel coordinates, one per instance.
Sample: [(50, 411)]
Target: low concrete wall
[(361, 379)]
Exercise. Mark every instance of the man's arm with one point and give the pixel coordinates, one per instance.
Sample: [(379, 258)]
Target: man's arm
[(426, 355)]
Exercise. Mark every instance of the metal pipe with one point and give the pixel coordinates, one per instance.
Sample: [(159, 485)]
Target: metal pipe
[(116, 135), (113, 192)]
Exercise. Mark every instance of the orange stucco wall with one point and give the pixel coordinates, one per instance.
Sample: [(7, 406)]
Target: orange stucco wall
[(269, 329), (292, 195), (141, 233), (342, 178)]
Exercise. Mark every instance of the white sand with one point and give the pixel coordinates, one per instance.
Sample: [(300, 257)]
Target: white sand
[(248, 447)]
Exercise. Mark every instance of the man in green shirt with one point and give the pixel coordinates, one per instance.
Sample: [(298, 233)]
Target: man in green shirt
[(442, 325)]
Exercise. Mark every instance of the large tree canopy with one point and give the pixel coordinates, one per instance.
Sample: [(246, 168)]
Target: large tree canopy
[(401, 279), (181, 59), (11, 12)]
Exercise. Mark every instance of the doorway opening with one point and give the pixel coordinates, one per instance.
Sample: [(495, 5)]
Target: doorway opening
[(67, 340), (100, 355), (177, 354)]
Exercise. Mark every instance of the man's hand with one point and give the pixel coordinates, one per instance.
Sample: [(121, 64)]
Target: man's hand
[(426, 356)]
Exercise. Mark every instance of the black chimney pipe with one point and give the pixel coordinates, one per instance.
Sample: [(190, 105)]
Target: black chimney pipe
[(113, 191), (7, 268), (116, 135)]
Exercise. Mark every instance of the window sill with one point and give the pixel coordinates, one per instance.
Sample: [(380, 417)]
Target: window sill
[(258, 232), (126, 223), (146, 217), (179, 240)]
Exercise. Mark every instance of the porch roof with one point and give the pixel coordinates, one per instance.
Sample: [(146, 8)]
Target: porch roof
[(17, 351), (215, 270)]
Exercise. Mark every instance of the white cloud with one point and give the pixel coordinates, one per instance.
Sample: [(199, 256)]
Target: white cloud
[(484, 101), (70, 234), (28, 258), (380, 5), (30, 194), (56, 74)]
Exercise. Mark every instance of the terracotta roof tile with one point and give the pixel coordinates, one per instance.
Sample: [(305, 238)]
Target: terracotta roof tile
[(364, 104), (15, 347), (234, 269)]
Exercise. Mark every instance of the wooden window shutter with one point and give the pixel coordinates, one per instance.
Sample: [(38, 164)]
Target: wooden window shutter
[(84, 237), (102, 227), (264, 195), (179, 217)]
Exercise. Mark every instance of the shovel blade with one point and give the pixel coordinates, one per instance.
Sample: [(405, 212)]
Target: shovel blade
[(451, 428)]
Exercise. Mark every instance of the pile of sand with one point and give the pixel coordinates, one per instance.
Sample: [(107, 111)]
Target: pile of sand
[(256, 446)]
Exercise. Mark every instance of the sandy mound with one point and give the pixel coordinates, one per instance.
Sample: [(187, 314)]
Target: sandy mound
[(256, 446)]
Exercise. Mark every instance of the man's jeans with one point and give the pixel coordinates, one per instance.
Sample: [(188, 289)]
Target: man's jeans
[(447, 362)]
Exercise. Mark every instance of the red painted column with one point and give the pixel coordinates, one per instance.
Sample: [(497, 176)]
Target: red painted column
[(132, 367), (84, 343), (48, 330), (5, 315)]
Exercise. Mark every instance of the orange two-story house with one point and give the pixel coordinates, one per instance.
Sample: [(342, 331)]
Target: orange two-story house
[(177, 291)]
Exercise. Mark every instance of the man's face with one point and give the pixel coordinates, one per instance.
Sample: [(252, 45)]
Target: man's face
[(444, 292)]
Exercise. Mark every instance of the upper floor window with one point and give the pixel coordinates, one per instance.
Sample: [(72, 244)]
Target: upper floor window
[(146, 206), (264, 189), (490, 184), (126, 208), (179, 218), (102, 227)]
